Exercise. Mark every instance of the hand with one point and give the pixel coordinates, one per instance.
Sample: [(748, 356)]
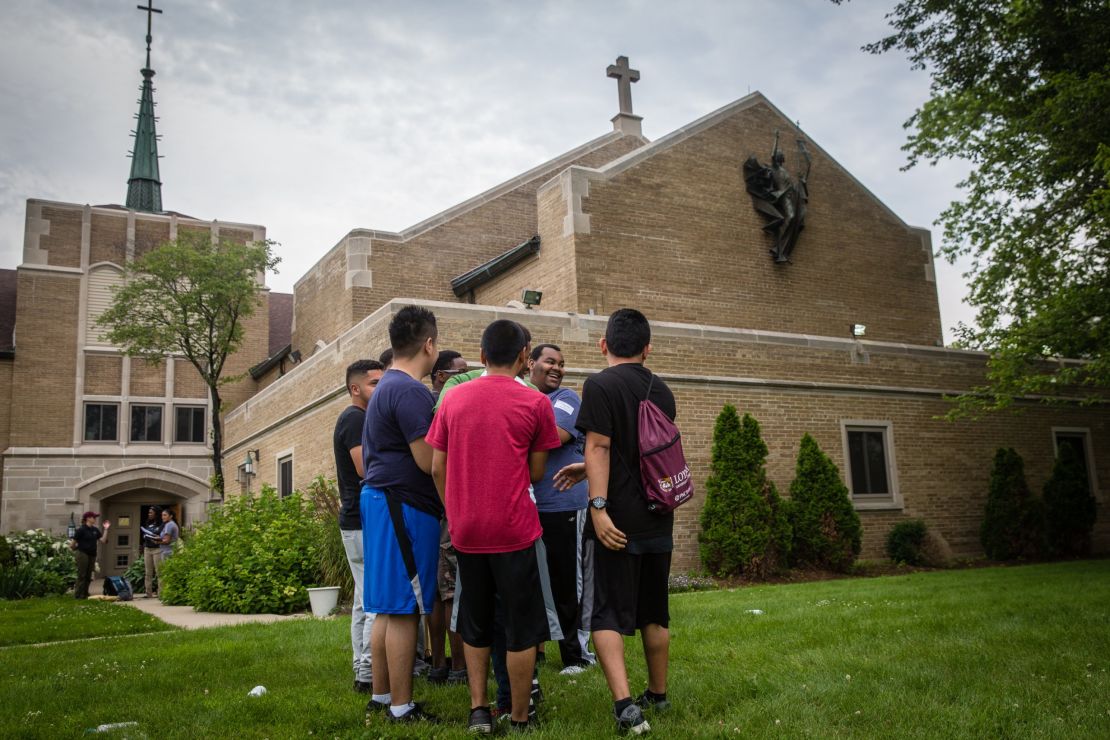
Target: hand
[(607, 533), (107, 524), (570, 475)]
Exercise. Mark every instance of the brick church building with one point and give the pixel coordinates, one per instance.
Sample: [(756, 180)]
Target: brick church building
[(843, 340)]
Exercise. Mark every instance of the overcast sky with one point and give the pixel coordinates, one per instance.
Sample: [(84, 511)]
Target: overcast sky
[(313, 118)]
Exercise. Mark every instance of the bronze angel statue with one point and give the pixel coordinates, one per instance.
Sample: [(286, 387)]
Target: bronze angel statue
[(779, 197)]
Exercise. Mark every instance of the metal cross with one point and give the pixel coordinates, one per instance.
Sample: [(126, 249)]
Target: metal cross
[(625, 77), (150, 10)]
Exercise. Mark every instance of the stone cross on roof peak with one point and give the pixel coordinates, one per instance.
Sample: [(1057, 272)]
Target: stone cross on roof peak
[(625, 120)]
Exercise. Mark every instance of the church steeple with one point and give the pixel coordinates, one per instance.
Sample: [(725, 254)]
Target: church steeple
[(144, 187)]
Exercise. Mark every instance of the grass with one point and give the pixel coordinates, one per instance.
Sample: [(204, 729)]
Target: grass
[(998, 652), (65, 618)]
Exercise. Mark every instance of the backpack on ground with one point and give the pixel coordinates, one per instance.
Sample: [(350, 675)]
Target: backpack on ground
[(118, 586), (663, 470)]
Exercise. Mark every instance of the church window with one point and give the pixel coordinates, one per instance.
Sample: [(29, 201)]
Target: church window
[(189, 424), (285, 476), (146, 423), (869, 457), (1079, 440), (103, 279), (101, 422)]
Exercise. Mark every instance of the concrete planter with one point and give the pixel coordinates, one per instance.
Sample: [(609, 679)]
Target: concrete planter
[(323, 600)]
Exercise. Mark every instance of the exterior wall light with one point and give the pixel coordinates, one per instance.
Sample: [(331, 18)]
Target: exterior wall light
[(531, 297), (858, 330)]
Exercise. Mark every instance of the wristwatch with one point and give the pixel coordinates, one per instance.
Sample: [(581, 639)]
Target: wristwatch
[(599, 502)]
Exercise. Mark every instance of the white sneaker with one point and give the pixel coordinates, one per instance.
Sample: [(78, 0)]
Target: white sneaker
[(573, 670)]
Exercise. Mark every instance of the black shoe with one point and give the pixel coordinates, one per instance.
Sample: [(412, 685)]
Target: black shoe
[(363, 687), (481, 722), (646, 701), (632, 720), (415, 714), (374, 708), (438, 675)]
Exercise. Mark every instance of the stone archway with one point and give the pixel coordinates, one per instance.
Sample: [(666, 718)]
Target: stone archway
[(124, 495)]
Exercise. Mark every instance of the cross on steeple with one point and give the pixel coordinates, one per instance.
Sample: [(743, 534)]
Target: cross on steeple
[(625, 77), (150, 10)]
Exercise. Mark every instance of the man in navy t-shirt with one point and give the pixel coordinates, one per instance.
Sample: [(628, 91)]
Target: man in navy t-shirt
[(400, 512)]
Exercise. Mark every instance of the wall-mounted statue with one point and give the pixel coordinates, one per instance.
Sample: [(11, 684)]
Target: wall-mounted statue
[(779, 197)]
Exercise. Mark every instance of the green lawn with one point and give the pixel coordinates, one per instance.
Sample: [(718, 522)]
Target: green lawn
[(65, 618), (999, 652)]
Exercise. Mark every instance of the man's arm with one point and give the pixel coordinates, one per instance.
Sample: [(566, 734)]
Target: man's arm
[(356, 458), (537, 463), (597, 473), (439, 473), (564, 436), (422, 454)]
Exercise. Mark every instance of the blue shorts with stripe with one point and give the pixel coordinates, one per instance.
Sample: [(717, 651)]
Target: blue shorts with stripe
[(401, 554)]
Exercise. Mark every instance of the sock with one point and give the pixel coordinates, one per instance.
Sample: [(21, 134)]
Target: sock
[(382, 698), (620, 706), (398, 710), (653, 697)]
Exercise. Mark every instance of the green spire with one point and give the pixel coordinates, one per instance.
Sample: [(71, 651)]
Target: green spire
[(144, 187)]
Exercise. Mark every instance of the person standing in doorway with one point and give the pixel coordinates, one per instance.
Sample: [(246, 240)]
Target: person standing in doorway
[(83, 545), (362, 378), (150, 541), (170, 535)]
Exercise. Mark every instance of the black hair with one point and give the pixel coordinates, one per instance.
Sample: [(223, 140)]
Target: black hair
[(539, 348), (409, 329), (361, 367), (502, 341), (627, 333), (170, 512), (527, 334), (446, 357), (386, 357)]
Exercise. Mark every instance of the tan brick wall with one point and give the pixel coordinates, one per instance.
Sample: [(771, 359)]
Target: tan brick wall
[(45, 362), (942, 468), (253, 350), (148, 379), (103, 375), (63, 243), (108, 239), (150, 234), (321, 303), (677, 232), (187, 382)]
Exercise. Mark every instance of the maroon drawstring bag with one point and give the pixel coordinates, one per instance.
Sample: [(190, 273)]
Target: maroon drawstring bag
[(663, 470)]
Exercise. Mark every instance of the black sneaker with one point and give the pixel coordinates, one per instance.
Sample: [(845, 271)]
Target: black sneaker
[(537, 692), (438, 675), (632, 720), (481, 722), (363, 687), (415, 714), (373, 709), (646, 701)]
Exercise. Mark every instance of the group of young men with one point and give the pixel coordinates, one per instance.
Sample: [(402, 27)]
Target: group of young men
[(514, 506)]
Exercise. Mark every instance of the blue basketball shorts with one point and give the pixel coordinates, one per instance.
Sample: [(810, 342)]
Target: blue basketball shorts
[(401, 555)]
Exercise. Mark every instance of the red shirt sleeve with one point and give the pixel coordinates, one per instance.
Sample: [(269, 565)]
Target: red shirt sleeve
[(437, 433), (547, 434)]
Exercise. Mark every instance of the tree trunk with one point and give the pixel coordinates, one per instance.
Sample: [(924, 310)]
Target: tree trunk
[(217, 443)]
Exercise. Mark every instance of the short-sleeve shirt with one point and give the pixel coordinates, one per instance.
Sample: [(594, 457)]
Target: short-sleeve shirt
[(610, 405), (347, 436), (565, 403), (171, 531), (399, 412), (488, 427), (86, 538)]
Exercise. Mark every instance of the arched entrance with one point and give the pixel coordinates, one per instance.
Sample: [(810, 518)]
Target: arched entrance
[(124, 496)]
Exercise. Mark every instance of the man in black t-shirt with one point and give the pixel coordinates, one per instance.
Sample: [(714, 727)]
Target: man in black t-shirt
[(627, 549), (362, 377), (83, 545)]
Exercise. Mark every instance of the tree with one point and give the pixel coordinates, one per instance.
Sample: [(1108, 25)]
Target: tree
[(1070, 509), (189, 297), (744, 524), (827, 530), (1021, 91), (1012, 523)]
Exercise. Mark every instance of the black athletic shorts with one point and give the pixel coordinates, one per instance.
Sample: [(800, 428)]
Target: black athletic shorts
[(520, 579), (623, 592)]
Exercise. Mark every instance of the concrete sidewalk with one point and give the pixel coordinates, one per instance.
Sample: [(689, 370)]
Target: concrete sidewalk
[(189, 618)]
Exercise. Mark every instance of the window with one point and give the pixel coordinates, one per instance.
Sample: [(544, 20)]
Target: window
[(123, 540), (122, 561), (285, 476), (146, 423), (869, 455), (189, 424), (1079, 440), (101, 422)]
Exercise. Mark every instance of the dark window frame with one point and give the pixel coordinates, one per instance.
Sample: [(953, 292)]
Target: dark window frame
[(177, 410), (285, 483), (147, 406), (114, 405)]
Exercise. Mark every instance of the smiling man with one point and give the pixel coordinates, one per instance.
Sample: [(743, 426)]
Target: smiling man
[(562, 513)]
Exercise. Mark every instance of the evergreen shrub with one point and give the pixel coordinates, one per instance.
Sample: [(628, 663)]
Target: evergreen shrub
[(1012, 523), (906, 543), (745, 529), (254, 554), (1070, 508), (827, 531)]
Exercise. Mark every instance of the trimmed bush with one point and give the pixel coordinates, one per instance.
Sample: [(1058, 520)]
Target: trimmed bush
[(906, 541), (827, 531), (1069, 506), (253, 555), (1012, 522), (744, 526)]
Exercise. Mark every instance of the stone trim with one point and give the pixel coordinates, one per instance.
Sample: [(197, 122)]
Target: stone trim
[(873, 502), (35, 227), (107, 450)]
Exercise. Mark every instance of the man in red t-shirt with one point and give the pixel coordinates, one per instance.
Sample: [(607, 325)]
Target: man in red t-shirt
[(490, 440)]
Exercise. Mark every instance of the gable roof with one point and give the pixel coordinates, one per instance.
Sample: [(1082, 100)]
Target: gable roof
[(499, 265)]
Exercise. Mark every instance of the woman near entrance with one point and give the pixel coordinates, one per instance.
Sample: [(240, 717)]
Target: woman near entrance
[(83, 545), (151, 543)]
